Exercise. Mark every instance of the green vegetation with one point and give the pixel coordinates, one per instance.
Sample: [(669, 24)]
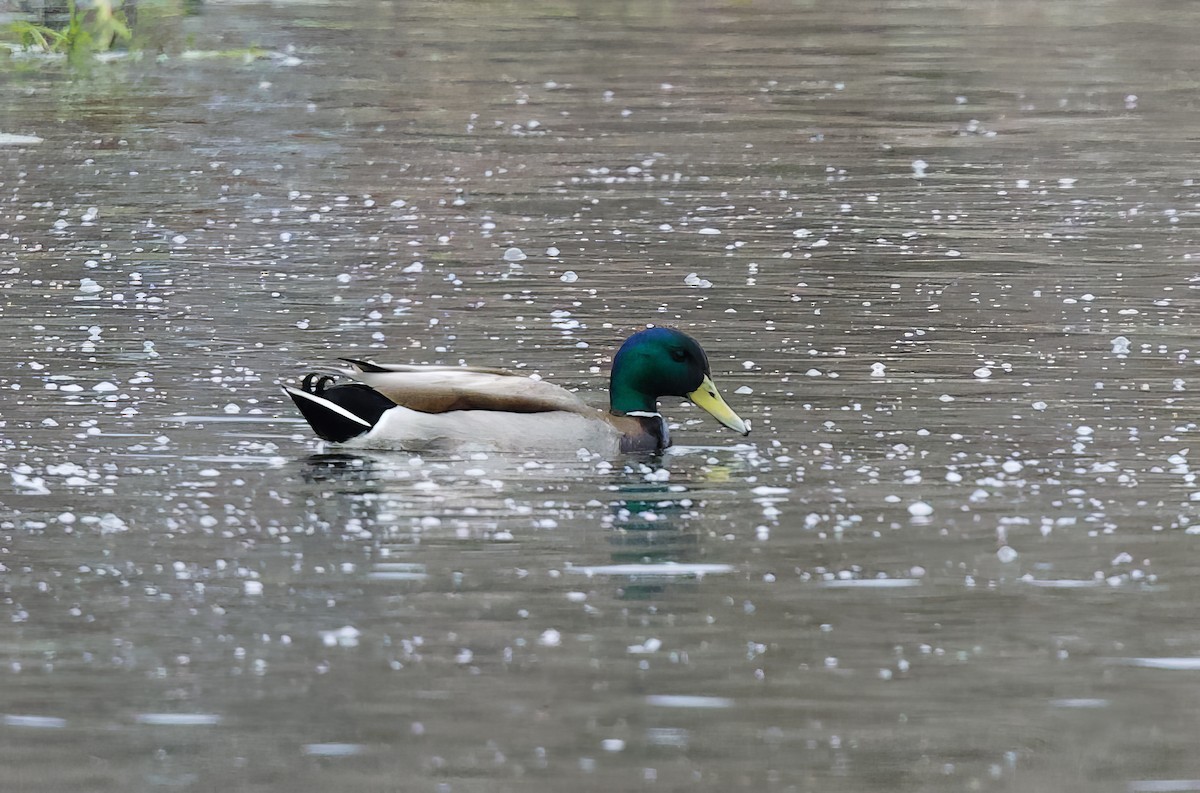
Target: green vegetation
[(244, 54), (91, 28), (88, 31)]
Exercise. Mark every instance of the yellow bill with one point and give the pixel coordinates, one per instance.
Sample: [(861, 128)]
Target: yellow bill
[(706, 397)]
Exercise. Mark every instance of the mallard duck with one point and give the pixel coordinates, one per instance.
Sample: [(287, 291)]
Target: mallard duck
[(420, 407)]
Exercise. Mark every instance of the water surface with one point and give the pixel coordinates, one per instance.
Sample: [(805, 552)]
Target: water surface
[(940, 253)]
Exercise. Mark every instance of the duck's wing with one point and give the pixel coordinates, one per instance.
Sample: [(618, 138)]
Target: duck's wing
[(357, 365), (441, 389)]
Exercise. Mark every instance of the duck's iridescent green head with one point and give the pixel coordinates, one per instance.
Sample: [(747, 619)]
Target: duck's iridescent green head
[(660, 362)]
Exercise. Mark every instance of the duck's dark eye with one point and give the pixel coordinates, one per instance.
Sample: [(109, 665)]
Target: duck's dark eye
[(678, 355)]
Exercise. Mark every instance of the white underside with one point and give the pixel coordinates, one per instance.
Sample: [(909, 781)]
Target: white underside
[(490, 430)]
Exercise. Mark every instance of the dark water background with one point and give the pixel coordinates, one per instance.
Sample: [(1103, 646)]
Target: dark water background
[(941, 253)]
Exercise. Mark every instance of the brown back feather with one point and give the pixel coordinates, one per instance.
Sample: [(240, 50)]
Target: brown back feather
[(445, 389)]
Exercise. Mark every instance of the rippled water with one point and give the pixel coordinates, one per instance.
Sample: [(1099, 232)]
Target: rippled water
[(940, 253)]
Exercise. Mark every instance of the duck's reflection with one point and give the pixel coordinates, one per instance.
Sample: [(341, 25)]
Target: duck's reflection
[(653, 526), (648, 523), (341, 469), (649, 528)]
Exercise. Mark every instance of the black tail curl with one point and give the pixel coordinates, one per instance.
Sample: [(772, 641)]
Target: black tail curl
[(315, 383), (338, 413)]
